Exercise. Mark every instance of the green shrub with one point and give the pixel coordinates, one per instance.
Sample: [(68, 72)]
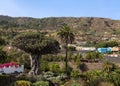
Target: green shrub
[(63, 69), (109, 67), (70, 56), (115, 79), (107, 44), (73, 83), (78, 56), (48, 74), (75, 74), (93, 56), (55, 79), (52, 77), (71, 48), (93, 78), (44, 66), (22, 83), (41, 83), (50, 58), (54, 67), (63, 76)]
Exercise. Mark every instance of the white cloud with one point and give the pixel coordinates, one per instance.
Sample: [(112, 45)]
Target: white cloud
[(11, 8)]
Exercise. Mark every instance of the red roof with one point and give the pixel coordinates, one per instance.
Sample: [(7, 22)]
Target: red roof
[(11, 64)]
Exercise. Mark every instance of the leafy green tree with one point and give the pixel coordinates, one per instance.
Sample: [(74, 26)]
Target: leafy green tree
[(67, 36), (35, 44)]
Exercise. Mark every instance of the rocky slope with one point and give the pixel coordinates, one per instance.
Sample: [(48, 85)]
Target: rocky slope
[(82, 23)]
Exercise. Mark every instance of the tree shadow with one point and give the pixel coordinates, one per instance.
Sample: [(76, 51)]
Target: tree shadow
[(83, 67)]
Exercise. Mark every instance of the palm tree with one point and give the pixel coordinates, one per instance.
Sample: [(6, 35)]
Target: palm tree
[(109, 66), (66, 35)]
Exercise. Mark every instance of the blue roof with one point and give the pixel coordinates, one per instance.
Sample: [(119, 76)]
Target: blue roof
[(104, 50)]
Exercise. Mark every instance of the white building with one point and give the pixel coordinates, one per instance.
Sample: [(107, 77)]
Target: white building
[(85, 48), (11, 67), (89, 48)]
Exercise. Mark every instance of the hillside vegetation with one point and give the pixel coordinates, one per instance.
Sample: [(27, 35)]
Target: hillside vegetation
[(80, 23), (42, 46)]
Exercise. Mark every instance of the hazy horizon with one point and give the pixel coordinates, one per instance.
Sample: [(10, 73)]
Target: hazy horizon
[(63, 8)]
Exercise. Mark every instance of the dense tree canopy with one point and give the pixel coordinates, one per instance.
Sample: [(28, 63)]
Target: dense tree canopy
[(35, 44)]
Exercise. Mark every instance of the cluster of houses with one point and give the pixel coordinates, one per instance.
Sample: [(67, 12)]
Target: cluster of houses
[(108, 49), (101, 50), (12, 67)]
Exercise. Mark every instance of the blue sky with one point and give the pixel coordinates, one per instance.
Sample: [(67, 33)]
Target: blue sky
[(61, 8)]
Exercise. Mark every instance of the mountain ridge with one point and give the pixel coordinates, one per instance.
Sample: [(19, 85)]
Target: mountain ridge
[(80, 23)]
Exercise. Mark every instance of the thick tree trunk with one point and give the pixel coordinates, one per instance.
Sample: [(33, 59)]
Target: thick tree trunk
[(35, 66)]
